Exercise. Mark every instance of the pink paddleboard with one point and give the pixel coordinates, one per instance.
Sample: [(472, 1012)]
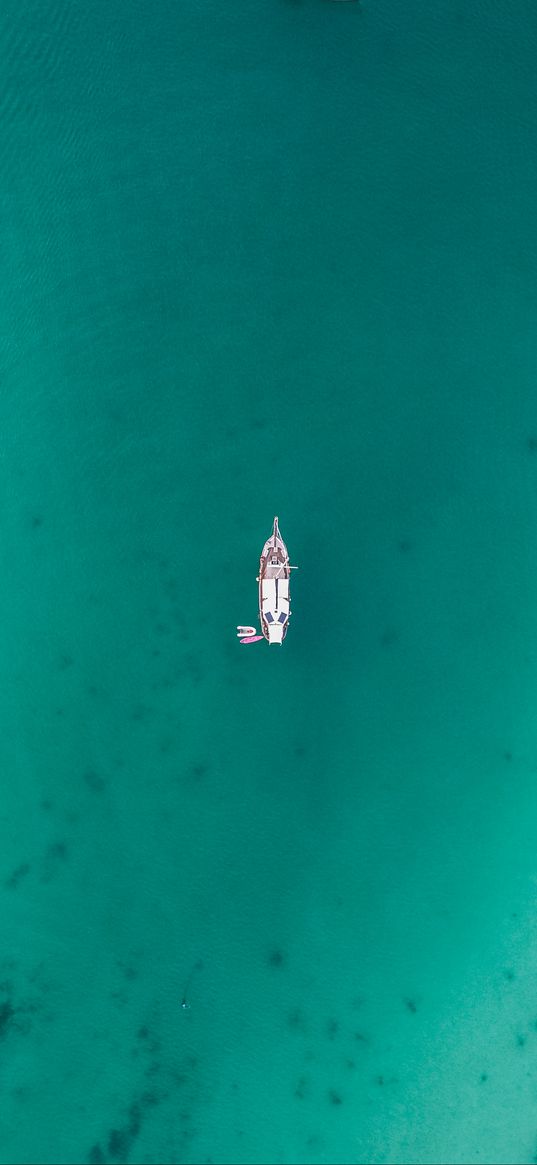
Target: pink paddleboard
[(247, 634)]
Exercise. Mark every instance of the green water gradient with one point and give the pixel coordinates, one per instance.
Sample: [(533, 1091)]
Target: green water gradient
[(268, 257)]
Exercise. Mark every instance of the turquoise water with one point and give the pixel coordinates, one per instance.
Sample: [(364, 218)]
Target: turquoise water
[(268, 258)]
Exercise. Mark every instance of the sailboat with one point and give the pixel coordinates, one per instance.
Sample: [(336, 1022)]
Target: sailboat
[(274, 597)]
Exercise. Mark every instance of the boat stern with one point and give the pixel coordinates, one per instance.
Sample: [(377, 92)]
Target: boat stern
[(275, 633)]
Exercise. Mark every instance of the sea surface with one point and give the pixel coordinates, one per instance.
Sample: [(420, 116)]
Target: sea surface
[(268, 257)]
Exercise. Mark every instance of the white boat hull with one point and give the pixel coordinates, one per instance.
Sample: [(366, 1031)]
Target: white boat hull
[(274, 597)]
